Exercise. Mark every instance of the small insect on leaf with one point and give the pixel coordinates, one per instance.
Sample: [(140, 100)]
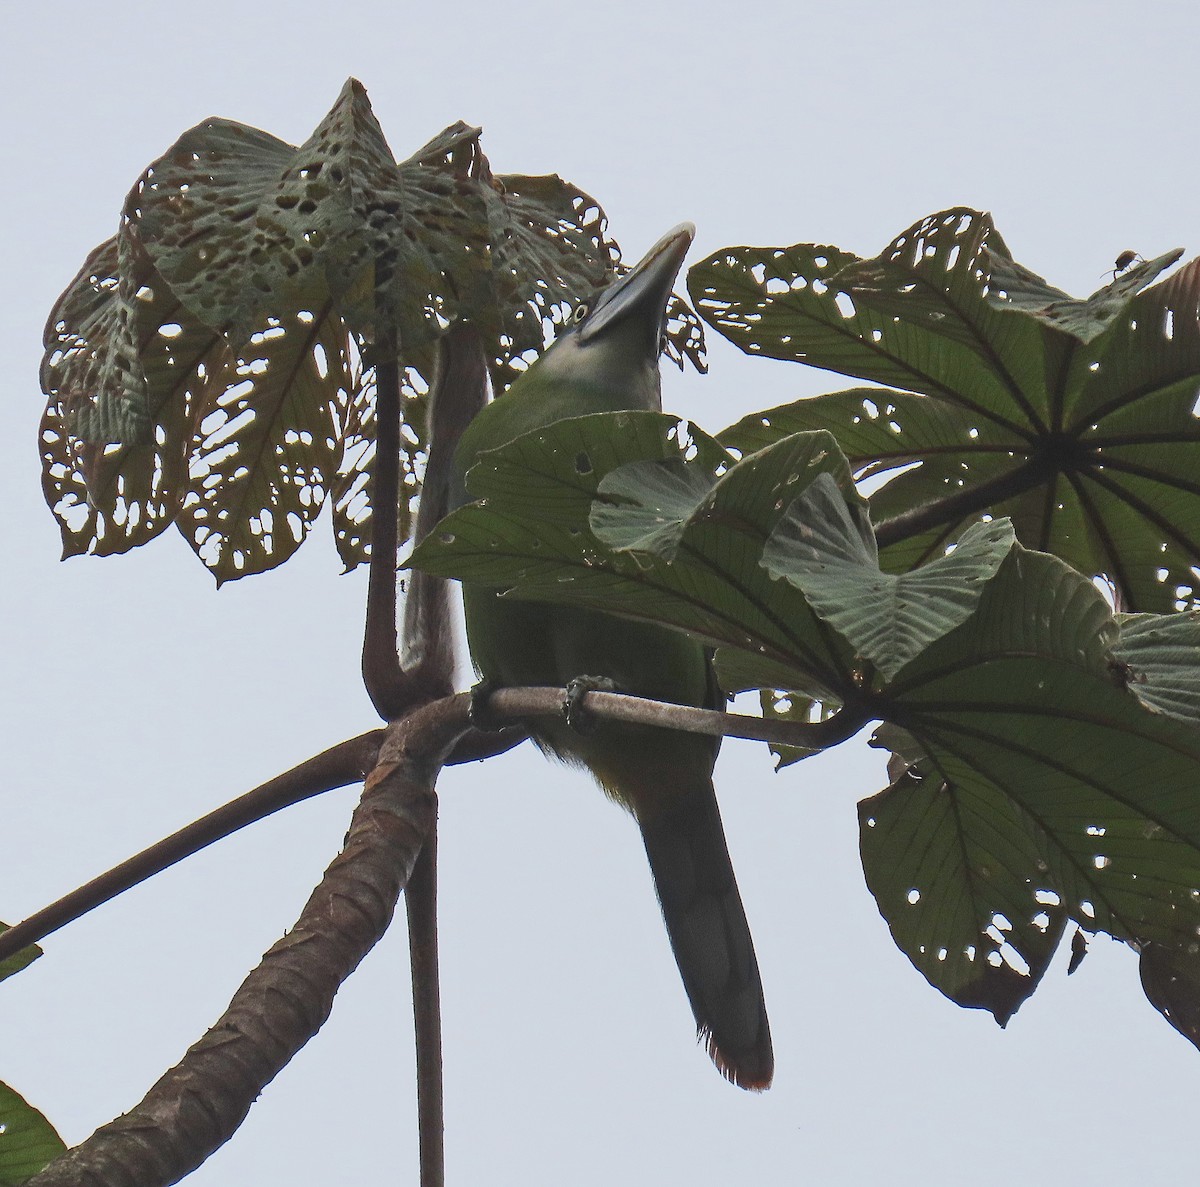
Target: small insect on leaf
[(1125, 260)]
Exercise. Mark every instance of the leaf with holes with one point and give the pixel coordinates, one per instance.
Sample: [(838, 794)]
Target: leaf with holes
[(1047, 790), (243, 226), (1089, 447), (110, 498), (267, 447), (27, 1140), (1022, 701), (954, 874), (550, 249), (1011, 286), (206, 367)]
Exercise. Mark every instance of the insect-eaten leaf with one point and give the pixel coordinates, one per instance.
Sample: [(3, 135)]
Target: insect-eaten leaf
[(954, 874), (1011, 286), (1084, 436), (213, 364)]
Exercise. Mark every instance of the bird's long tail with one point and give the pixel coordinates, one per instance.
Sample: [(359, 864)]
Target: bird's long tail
[(709, 934)]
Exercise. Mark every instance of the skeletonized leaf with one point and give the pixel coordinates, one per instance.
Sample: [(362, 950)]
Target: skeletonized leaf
[(243, 226), (160, 409), (267, 446)]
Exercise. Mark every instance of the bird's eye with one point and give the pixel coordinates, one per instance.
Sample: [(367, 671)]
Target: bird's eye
[(579, 313)]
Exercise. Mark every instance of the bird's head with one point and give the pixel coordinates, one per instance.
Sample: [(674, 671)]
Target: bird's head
[(614, 340)]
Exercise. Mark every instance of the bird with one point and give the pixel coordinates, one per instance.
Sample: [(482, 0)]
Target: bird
[(606, 358)]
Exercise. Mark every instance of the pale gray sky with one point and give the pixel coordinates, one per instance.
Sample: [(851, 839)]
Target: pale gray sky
[(137, 697)]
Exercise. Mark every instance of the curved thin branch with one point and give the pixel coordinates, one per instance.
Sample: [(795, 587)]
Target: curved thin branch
[(340, 765), (346, 762), (197, 1105)]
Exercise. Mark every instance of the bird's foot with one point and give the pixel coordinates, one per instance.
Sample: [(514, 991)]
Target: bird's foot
[(577, 717), (479, 712)]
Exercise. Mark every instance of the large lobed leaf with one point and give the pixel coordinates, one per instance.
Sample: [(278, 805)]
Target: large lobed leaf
[(1076, 421), (211, 365), (1031, 785)]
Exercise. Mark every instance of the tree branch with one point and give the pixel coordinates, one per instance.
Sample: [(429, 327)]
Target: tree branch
[(197, 1105), (347, 762), (617, 706)]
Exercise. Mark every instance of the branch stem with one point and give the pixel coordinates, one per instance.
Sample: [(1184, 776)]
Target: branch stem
[(381, 669), (1028, 475), (340, 765)]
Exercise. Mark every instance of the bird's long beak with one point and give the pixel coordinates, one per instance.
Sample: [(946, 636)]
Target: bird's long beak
[(642, 294)]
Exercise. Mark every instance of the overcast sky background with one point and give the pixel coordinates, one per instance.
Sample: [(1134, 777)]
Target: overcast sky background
[(137, 697)]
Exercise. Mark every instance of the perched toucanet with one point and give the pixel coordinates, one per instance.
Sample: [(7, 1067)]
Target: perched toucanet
[(606, 359)]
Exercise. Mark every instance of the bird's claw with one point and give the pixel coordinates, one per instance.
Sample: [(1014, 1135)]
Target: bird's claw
[(576, 715)]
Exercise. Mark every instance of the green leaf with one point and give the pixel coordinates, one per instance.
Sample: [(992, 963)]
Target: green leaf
[(1022, 701), (242, 225), (27, 1140), (1160, 654), (887, 618), (21, 960), (532, 534), (1089, 447), (1171, 981), (653, 502), (1012, 286), (950, 869), (205, 368), (913, 318)]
